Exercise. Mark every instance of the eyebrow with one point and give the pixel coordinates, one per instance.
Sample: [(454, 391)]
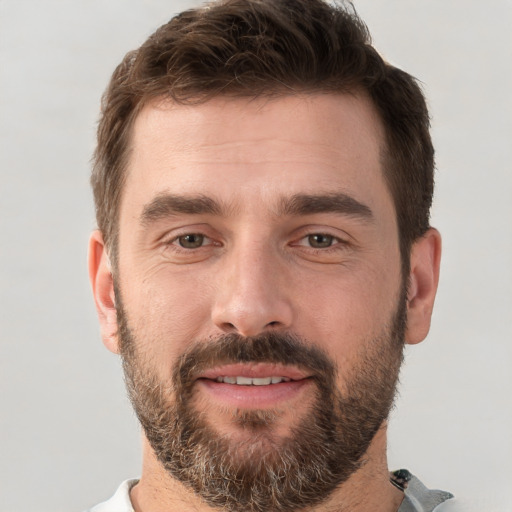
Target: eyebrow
[(306, 204), (169, 205)]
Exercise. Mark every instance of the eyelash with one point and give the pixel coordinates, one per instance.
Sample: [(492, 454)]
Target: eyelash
[(335, 242), (175, 241)]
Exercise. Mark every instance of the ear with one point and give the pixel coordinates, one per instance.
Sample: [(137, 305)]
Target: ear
[(423, 280), (102, 284)]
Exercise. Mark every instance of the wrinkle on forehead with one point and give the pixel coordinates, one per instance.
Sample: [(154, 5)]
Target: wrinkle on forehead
[(225, 125)]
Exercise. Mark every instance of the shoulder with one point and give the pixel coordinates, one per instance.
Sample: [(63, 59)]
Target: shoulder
[(419, 498), (120, 501)]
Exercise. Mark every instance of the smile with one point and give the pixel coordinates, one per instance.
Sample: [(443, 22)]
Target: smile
[(252, 381), (256, 385)]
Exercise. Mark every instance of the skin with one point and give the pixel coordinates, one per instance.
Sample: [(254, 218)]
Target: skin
[(257, 269)]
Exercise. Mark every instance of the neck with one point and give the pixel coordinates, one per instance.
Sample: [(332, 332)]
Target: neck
[(367, 489)]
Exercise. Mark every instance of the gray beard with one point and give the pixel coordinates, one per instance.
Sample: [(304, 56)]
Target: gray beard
[(264, 472)]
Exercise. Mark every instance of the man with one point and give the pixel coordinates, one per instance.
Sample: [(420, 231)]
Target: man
[(263, 181)]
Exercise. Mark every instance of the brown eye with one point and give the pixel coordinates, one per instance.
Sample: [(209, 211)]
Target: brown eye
[(192, 241), (320, 241)]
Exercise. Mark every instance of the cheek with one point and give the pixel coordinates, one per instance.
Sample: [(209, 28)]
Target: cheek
[(344, 314), (166, 314)]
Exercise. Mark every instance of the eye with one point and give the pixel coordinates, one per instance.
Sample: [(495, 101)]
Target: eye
[(191, 240), (319, 247), (320, 240)]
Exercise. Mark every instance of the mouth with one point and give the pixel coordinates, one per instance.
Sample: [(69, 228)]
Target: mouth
[(240, 380), (254, 386)]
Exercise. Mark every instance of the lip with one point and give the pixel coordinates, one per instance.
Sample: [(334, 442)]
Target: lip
[(254, 371), (254, 397)]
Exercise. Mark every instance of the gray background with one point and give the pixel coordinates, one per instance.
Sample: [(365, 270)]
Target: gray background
[(67, 434)]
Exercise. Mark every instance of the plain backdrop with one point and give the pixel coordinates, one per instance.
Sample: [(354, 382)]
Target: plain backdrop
[(67, 433)]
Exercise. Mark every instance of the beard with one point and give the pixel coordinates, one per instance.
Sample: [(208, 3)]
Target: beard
[(262, 472)]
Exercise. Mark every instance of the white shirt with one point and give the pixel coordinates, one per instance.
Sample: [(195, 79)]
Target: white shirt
[(418, 498)]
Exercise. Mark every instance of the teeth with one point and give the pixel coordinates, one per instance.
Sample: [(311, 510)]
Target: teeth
[(248, 381), (265, 381), (244, 381)]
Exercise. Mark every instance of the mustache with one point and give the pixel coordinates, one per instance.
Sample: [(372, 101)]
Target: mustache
[(271, 347)]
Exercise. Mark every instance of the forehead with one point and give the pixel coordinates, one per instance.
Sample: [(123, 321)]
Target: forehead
[(260, 147)]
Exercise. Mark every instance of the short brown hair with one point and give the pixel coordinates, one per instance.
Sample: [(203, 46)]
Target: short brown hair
[(265, 48)]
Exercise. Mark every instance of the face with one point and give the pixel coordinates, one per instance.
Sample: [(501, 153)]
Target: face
[(259, 295)]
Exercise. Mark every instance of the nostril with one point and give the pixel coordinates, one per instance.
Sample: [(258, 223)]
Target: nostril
[(227, 326)]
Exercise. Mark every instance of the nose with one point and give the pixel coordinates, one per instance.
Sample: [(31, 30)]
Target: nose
[(252, 293)]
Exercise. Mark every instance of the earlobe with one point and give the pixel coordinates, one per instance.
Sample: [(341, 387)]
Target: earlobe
[(102, 283), (423, 281)]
